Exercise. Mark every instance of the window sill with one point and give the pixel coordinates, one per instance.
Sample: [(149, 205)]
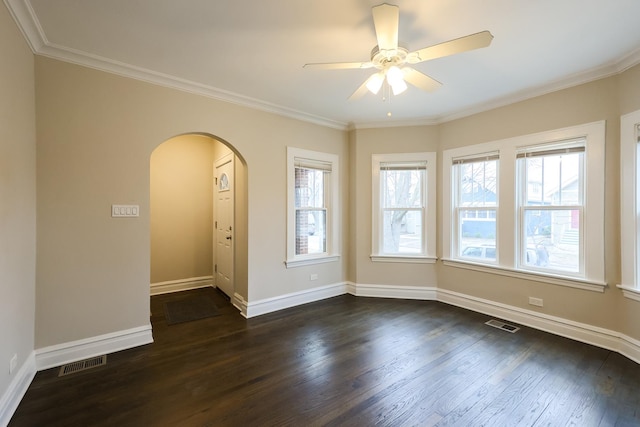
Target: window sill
[(538, 277), (630, 292), (404, 258), (301, 262)]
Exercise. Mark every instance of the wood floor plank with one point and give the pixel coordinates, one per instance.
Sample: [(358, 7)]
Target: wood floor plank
[(344, 361)]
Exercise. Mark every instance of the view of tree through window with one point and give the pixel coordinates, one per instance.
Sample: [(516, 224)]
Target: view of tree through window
[(402, 205)]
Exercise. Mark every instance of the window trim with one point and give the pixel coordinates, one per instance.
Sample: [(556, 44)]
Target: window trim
[(594, 133), (429, 213), (332, 208), (629, 204)]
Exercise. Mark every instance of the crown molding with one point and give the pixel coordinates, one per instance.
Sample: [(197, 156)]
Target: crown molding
[(554, 86), (85, 59), (24, 15), (631, 60), (393, 124), (577, 79)]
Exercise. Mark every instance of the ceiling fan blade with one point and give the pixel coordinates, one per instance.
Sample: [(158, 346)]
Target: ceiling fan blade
[(338, 65), (419, 80), (463, 44), (362, 90), (385, 19)]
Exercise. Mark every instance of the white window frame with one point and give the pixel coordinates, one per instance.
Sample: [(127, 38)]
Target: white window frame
[(332, 208), (522, 153), (629, 204), (429, 211), (507, 236)]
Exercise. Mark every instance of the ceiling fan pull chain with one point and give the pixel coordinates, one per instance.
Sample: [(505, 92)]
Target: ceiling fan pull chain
[(389, 96)]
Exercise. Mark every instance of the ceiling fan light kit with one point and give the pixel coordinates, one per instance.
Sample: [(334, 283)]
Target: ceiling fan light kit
[(391, 59), (374, 83), (395, 78)]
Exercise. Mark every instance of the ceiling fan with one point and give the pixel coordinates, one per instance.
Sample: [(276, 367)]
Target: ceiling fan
[(391, 59)]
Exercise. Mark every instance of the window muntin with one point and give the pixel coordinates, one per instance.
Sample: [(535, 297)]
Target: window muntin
[(476, 202), (551, 208)]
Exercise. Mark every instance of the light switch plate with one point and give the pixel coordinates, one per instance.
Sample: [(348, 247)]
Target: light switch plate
[(125, 211)]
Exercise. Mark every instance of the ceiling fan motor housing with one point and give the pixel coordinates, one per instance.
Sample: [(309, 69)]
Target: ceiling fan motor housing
[(383, 59)]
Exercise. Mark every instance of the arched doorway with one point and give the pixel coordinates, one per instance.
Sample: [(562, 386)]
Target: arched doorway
[(185, 212)]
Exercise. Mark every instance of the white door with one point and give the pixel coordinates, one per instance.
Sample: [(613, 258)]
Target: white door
[(223, 224)]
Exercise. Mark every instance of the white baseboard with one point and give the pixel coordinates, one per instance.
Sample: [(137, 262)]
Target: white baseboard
[(269, 305), (11, 398), (181, 285), (239, 303), (392, 291), (630, 348), (600, 337), (582, 332), (60, 354)]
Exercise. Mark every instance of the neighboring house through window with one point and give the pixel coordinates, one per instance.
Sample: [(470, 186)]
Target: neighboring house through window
[(475, 207), (518, 207), (551, 207)]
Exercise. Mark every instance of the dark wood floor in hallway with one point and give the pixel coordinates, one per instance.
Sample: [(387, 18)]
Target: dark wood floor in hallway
[(342, 361)]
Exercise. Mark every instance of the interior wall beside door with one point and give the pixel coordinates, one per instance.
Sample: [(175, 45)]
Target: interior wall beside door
[(181, 200)]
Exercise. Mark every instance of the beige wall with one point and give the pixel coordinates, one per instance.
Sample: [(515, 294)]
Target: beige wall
[(629, 90), (181, 208), (364, 143), (96, 133), (17, 200), (89, 118), (582, 104)]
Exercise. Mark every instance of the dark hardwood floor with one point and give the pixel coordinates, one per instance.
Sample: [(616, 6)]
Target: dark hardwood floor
[(342, 361)]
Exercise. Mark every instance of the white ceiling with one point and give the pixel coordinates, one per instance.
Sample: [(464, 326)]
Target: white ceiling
[(251, 52)]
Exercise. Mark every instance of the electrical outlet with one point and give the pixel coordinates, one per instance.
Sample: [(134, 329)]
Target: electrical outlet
[(13, 363), (313, 277), (535, 301)]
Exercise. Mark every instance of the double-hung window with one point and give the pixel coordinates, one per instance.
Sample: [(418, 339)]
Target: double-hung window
[(403, 201), (312, 201), (476, 207), (531, 206), (630, 204), (551, 207)]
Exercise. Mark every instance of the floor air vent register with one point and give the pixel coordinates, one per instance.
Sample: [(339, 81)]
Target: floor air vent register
[(82, 365), (501, 325)]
